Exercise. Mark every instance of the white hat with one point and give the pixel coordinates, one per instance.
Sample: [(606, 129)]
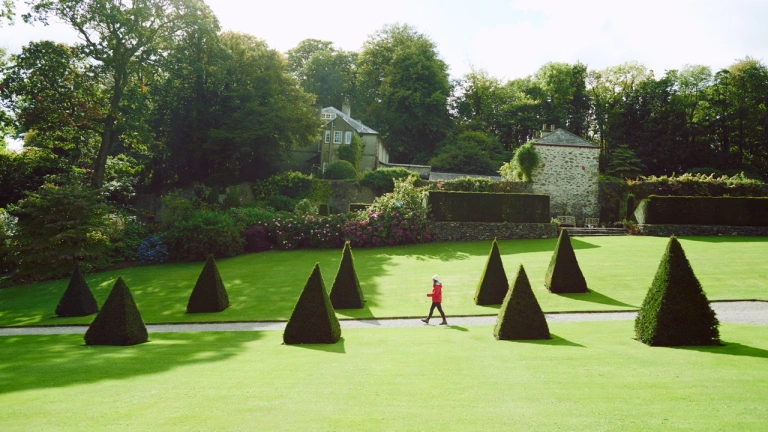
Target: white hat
[(436, 278)]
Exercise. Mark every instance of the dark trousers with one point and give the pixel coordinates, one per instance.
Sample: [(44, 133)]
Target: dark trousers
[(439, 309)]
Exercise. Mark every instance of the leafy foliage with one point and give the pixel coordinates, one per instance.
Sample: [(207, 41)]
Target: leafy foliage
[(383, 180), (493, 284), (353, 152), (564, 274), (345, 291), (340, 170), (152, 250), (471, 153), (119, 321), (313, 320), (209, 294), (204, 233), (525, 160), (77, 299), (520, 316), (676, 311)]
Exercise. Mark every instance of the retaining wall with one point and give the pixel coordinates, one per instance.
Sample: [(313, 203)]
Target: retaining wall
[(469, 231), (700, 230)]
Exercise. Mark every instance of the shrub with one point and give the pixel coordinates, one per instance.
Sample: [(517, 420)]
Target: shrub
[(7, 230), (247, 216), (119, 321), (468, 184), (152, 250), (282, 203), (383, 180), (520, 316), (346, 292), (125, 235), (313, 320), (204, 233), (305, 207), (209, 294), (521, 167), (493, 284), (737, 211), (256, 239), (340, 170), (77, 299), (489, 207), (564, 275), (292, 184), (353, 152), (676, 311), (631, 207)]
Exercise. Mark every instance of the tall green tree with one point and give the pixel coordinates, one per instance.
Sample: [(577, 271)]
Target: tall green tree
[(565, 95), (324, 71)]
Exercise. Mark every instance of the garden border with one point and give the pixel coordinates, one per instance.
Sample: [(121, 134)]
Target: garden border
[(443, 231)]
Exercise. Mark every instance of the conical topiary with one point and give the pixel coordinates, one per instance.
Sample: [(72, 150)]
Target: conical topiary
[(520, 316), (346, 292), (313, 320), (209, 294), (676, 311), (564, 275), (493, 285), (77, 299), (119, 321)]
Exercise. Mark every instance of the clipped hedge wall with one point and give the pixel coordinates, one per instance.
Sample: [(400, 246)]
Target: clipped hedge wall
[(674, 210), (489, 207)]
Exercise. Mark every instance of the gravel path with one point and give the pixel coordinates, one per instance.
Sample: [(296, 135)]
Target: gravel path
[(737, 312)]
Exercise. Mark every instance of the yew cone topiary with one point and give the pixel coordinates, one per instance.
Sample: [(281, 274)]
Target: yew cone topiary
[(493, 285), (346, 292), (209, 294), (520, 316), (676, 311), (119, 321), (77, 299), (564, 275), (313, 320)]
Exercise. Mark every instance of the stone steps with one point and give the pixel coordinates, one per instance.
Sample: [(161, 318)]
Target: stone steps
[(586, 232)]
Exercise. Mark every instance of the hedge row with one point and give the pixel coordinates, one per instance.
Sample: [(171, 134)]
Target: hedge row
[(489, 207), (674, 210)]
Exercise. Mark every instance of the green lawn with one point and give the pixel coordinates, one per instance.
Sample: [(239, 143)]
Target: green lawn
[(395, 280), (591, 376)]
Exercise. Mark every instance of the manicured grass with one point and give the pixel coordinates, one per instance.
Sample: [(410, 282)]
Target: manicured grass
[(395, 280), (591, 376)]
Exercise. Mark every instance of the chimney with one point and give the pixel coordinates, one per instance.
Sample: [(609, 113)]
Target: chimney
[(346, 109), (552, 128), (544, 132)]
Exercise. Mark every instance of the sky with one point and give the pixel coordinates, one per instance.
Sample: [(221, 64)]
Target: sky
[(508, 39)]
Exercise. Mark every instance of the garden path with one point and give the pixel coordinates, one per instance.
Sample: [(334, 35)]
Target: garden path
[(735, 312)]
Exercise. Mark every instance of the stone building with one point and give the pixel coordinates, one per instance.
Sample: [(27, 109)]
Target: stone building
[(568, 172)]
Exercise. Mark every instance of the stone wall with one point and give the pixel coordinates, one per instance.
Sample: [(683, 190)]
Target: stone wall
[(468, 231), (569, 175), (700, 230)]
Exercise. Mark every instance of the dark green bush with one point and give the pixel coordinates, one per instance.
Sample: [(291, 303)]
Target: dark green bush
[(77, 299), (346, 292), (676, 311), (204, 233), (630, 207), (675, 210), (313, 320), (489, 207), (564, 275), (520, 316), (125, 236), (352, 152), (340, 170), (119, 321), (209, 294), (468, 184), (247, 216), (493, 285), (383, 180), (282, 203), (358, 206)]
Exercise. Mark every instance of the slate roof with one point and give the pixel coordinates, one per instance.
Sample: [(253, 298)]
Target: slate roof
[(356, 124), (564, 138)]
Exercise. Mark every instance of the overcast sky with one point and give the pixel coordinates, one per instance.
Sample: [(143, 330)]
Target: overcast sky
[(508, 39)]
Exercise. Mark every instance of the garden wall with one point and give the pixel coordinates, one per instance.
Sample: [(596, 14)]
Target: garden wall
[(470, 231), (700, 230)]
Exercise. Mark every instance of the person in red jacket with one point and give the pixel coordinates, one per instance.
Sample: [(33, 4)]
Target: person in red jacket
[(437, 298)]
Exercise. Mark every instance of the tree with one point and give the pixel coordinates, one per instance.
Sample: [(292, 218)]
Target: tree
[(520, 316), (125, 38), (324, 71), (522, 165), (624, 163), (565, 95), (470, 153)]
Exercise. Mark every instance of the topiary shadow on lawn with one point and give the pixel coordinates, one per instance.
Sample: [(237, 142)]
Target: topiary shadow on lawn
[(727, 348), (46, 361), (554, 341), (334, 348), (595, 297)]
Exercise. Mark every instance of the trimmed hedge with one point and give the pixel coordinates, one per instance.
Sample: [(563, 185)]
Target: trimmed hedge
[(520, 316), (676, 310), (489, 207), (119, 322), (77, 299), (346, 292), (313, 320), (674, 210), (358, 206), (493, 285), (340, 170), (209, 294), (564, 275)]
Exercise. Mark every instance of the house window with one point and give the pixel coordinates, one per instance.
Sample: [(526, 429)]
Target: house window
[(327, 136), (329, 116), (337, 137), (348, 137)]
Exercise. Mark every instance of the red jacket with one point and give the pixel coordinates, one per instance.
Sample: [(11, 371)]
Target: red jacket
[(437, 293)]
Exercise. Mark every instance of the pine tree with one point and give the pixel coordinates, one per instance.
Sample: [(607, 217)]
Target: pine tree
[(313, 320), (493, 285), (676, 311), (346, 292), (564, 275), (209, 294), (77, 299), (119, 322), (520, 316)]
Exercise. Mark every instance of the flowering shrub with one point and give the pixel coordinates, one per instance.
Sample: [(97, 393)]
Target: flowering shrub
[(310, 231), (152, 250)]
